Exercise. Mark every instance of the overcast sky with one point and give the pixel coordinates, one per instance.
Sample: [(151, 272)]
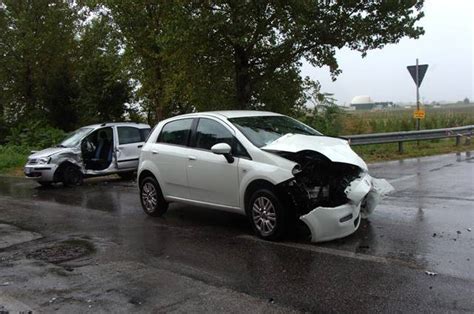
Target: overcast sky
[(447, 47)]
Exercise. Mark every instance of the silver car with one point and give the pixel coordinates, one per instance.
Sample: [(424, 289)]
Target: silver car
[(94, 150)]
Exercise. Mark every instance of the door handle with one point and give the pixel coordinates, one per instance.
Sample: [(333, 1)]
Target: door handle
[(140, 146), (192, 157), (154, 152)]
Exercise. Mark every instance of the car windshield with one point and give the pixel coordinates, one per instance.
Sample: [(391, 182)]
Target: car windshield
[(74, 138), (262, 130)]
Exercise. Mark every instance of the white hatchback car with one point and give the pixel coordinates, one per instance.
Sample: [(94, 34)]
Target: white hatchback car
[(267, 166)]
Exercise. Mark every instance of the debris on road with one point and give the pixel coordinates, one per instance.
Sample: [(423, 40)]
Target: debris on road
[(458, 232), (6, 283), (469, 229), (430, 273)]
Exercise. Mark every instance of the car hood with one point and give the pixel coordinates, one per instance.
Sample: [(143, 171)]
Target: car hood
[(337, 150), (50, 151)]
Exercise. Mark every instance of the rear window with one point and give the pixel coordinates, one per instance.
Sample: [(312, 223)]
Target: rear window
[(176, 132)]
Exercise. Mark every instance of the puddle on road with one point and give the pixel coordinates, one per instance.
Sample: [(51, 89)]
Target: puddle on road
[(63, 251), (110, 195)]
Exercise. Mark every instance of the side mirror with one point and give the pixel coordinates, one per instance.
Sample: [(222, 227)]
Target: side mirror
[(223, 149)]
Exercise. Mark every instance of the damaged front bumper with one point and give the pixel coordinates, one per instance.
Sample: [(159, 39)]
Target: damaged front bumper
[(41, 173), (329, 223)]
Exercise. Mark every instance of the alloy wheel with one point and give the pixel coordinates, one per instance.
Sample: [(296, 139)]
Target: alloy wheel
[(149, 197), (264, 215)]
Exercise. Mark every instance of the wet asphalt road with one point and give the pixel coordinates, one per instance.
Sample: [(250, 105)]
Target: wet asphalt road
[(423, 226)]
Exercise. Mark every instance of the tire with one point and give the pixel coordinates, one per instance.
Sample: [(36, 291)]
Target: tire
[(151, 197), (72, 176), (268, 217), (127, 175)]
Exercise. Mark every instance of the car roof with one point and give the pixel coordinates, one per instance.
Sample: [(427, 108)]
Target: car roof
[(243, 113), (230, 114), (134, 124)]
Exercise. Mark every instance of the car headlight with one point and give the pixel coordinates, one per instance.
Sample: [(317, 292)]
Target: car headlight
[(44, 160)]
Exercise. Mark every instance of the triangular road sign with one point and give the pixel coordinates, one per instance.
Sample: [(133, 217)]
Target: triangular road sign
[(421, 72)]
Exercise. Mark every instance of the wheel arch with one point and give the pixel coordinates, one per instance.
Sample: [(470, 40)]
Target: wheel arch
[(58, 174), (146, 173), (254, 186)]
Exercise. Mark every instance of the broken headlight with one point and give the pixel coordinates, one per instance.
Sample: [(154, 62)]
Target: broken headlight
[(296, 170)]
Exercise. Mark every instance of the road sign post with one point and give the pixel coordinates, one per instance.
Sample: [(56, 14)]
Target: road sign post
[(418, 72), (417, 95)]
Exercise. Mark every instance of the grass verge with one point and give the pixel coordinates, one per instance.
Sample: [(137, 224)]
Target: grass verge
[(384, 152), (12, 159)]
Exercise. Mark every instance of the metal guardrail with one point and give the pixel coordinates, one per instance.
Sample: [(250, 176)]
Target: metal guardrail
[(407, 136)]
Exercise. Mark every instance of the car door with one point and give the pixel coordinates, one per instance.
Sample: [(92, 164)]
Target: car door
[(170, 154), (211, 178), (130, 142)]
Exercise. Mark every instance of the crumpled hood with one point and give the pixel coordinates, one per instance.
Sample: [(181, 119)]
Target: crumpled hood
[(50, 151), (337, 150)]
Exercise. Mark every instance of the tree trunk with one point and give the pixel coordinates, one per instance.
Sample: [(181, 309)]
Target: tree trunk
[(242, 79), (158, 112), (158, 92)]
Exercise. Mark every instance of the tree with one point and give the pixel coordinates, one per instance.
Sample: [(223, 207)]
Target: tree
[(37, 64), (102, 80), (251, 45), (140, 23)]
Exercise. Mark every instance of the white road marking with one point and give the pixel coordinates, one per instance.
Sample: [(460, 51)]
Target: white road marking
[(336, 252), (403, 178)]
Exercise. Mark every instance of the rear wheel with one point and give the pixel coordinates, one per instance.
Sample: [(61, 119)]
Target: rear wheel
[(151, 197), (72, 175), (267, 215)]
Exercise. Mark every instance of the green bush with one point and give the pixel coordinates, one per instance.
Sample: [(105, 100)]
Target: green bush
[(23, 139), (34, 136)]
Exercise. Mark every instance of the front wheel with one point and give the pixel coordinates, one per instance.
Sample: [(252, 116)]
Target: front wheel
[(267, 215), (151, 197), (72, 175)]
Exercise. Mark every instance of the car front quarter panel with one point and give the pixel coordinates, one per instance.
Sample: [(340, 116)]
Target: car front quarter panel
[(250, 171)]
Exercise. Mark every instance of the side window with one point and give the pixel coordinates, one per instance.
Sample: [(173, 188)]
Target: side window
[(210, 132), (129, 135), (176, 132)]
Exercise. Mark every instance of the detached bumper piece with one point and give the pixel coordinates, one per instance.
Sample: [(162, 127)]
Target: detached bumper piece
[(329, 223)]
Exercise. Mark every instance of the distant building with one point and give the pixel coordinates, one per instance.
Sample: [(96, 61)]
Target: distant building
[(366, 103)]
